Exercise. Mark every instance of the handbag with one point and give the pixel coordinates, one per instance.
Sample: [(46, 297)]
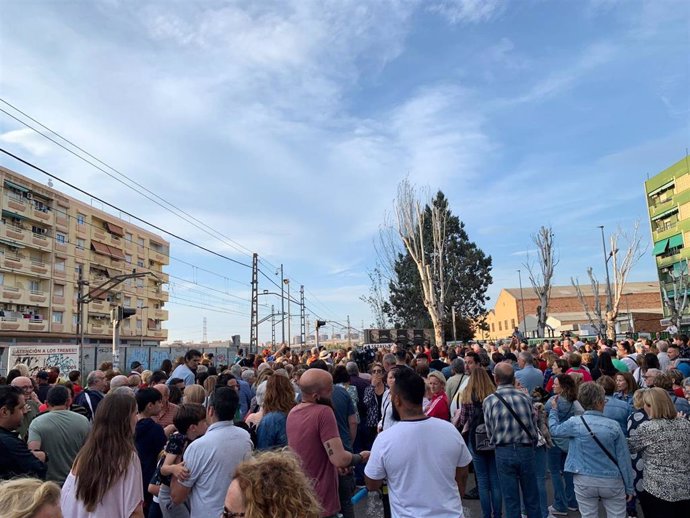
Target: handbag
[(479, 435)]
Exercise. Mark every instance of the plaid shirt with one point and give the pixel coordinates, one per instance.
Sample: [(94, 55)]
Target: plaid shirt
[(502, 427)]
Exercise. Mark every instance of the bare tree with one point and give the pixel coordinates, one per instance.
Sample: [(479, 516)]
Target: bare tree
[(594, 314), (376, 298), (621, 269), (677, 303), (541, 277), (411, 215)]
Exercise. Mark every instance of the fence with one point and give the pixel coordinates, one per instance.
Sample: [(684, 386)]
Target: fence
[(39, 357)]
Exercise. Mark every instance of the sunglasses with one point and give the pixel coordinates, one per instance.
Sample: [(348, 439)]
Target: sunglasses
[(231, 514), (377, 371)]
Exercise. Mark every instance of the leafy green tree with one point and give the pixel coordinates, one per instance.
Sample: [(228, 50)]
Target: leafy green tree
[(464, 280)]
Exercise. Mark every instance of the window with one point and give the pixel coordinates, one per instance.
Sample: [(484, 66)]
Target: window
[(500, 328), (493, 328), (57, 317), (75, 320), (129, 237), (127, 302), (140, 242), (140, 283), (140, 262), (80, 219), (128, 258), (505, 322), (59, 290), (512, 323), (38, 230), (79, 268), (60, 237), (139, 325), (35, 286), (140, 303), (81, 244), (59, 265), (2, 279)]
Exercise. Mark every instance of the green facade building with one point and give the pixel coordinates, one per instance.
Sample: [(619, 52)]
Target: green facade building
[(668, 203)]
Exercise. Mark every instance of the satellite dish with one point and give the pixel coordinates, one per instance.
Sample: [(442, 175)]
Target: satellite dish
[(50, 182)]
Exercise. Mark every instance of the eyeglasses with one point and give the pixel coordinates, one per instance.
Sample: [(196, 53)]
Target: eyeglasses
[(377, 371), (230, 514)]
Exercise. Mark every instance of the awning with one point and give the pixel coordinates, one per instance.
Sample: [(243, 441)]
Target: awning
[(660, 247), (11, 243), (100, 248), (114, 229), (113, 272), (116, 253), (675, 241), (667, 185), (665, 214), (9, 214), (20, 188)]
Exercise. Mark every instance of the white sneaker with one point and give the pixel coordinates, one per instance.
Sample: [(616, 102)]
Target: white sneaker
[(556, 512)]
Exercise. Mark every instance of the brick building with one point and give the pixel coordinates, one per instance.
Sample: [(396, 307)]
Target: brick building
[(639, 310)]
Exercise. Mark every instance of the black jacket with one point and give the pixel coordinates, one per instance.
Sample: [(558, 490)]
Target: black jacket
[(16, 459)]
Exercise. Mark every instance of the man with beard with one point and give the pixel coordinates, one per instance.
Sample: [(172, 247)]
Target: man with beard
[(313, 435), (408, 470)]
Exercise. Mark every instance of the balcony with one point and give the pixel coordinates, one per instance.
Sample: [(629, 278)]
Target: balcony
[(159, 314), (44, 215), (14, 233), (661, 206), (158, 257), (35, 325), (24, 297), (40, 241), (99, 329), (18, 204)]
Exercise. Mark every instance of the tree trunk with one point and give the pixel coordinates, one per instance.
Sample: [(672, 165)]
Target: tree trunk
[(611, 325)]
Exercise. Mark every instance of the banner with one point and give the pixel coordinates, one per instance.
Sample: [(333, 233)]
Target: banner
[(41, 357)]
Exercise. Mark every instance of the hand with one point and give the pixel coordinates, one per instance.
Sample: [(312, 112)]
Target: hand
[(365, 455), (681, 415), (628, 498), (180, 471), (554, 403), (169, 429)]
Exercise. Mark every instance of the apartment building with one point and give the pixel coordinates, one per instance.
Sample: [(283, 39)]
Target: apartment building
[(48, 242), (668, 202)]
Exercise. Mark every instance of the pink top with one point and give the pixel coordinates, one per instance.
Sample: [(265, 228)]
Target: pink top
[(120, 501)]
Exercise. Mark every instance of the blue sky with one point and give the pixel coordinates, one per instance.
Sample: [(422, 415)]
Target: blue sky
[(287, 125)]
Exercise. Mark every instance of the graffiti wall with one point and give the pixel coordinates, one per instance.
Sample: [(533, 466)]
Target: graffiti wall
[(38, 357)]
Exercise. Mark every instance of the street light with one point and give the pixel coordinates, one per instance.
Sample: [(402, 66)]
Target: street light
[(143, 328), (609, 303), (287, 283), (522, 303)]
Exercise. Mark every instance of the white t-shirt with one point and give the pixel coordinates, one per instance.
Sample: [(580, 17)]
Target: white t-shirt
[(421, 478)]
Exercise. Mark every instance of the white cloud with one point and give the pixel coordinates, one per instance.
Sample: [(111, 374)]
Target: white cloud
[(29, 140), (468, 11)]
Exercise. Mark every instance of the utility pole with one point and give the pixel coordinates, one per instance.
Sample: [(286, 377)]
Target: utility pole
[(289, 316), (609, 303), (307, 324), (81, 323), (522, 303), (254, 331), (282, 302), (349, 333), (302, 329), (204, 336), (273, 326)]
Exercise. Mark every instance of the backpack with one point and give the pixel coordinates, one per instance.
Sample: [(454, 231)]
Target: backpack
[(478, 435)]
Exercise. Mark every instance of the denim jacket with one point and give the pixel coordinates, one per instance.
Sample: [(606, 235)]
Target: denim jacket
[(585, 457), (618, 411)]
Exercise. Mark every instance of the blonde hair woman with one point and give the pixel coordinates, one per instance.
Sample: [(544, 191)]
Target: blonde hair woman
[(30, 498), (663, 442), (194, 394), (271, 485)]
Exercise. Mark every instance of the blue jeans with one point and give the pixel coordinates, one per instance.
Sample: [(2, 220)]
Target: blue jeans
[(487, 483), (563, 488), (540, 465), (517, 472)]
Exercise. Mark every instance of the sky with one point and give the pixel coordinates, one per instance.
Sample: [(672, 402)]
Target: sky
[(287, 125)]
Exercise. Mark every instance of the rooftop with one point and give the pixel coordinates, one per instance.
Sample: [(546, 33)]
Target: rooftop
[(564, 292)]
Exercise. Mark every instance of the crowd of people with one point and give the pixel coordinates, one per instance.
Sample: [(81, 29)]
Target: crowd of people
[(296, 434)]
